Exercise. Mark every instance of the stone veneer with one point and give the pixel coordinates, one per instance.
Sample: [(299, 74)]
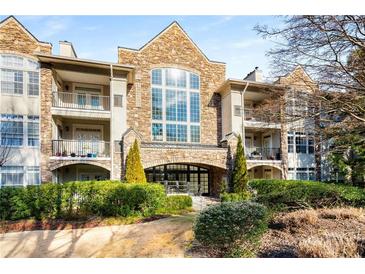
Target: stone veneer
[(173, 48)]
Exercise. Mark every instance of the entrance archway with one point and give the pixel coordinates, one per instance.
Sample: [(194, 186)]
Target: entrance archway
[(264, 172), (80, 172)]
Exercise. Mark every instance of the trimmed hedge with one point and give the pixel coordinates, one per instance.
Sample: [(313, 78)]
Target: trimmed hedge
[(298, 194), (178, 202), (233, 228), (235, 197), (80, 199)]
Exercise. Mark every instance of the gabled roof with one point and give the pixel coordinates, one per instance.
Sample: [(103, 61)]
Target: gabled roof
[(300, 68), (26, 31), (174, 23)]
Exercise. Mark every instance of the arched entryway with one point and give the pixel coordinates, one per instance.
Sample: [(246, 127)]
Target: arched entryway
[(80, 172), (195, 179), (264, 172)]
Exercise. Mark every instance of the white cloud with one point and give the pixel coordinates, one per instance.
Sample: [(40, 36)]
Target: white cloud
[(55, 25)]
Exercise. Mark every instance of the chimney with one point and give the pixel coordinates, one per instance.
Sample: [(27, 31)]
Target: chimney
[(67, 49), (255, 75)]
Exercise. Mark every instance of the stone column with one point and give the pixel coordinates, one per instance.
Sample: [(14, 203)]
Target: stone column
[(46, 122)]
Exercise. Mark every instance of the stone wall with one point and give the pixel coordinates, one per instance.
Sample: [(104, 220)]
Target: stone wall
[(55, 163), (173, 48)]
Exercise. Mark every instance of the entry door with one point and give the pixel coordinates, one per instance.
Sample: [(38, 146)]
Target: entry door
[(249, 144), (88, 141), (266, 146), (267, 173)]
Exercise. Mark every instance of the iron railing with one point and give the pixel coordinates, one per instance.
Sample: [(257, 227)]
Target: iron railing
[(263, 153), (80, 148), (81, 101), (182, 187)]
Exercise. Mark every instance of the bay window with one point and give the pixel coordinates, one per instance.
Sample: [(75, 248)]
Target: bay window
[(175, 108), (19, 75)]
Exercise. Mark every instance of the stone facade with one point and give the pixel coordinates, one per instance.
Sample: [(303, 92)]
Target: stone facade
[(56, 163), (173, 48)]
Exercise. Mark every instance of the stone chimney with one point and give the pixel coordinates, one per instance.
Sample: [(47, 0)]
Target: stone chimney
[(67, 49), (255, 75)]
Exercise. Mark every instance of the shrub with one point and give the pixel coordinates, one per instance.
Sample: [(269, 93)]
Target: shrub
[(81, 199), (239, 173), (290, 194), (235, 197), (232, 229), (134, 169), (178, 202)]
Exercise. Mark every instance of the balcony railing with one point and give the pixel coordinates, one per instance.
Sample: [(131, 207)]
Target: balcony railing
[(81, 101), (80, 148), (255, 116), (263, 153)]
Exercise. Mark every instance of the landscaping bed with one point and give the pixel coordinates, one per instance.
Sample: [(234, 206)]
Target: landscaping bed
[(316, 233)]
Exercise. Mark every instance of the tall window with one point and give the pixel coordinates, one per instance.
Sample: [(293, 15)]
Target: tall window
[(19, 130), (12, 133), (19, 75), (33, 131), (301, 141), (175, 105)]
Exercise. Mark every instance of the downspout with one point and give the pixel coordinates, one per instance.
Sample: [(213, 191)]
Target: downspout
[(243, 114), (111, 103)]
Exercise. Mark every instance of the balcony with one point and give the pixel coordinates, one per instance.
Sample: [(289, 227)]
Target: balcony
[(263, 153), (80, 149), (81, 105), (261, 119)]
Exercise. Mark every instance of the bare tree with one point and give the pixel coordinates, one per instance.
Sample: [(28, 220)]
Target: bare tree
[(331, 49), (5, 146)]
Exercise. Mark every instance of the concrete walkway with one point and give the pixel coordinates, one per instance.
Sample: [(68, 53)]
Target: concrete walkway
[(162, 238)]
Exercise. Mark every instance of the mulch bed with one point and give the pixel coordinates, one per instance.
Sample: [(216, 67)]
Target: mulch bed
[(60, 224)]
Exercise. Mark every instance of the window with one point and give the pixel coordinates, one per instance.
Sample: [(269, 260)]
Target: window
[(237, 111), (194, 107), (175, 101), (157, 132), (12, 176), (194, 81), (300, 143), (19, 75), (290, 143), (302, 173), (33, 175), (156, 77), (11, 130), (33, 83), (304, 142), (310, 145), (195, 134), (118, 101), (33, 131)]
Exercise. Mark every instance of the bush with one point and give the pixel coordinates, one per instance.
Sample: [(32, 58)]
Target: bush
[(235, 197), (288, 194), (81, 199), (178, 202), (232, 229)]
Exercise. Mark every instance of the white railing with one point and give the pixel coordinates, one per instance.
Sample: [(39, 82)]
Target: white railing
[(262, 153), (81, 101)]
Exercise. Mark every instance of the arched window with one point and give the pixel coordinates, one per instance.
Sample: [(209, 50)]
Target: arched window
[(175, 105), (19, 75)]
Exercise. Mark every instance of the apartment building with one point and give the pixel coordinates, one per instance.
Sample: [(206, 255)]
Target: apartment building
[(64, 118)]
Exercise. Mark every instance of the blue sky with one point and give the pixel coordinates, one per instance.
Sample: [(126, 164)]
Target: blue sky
[(229, 39)]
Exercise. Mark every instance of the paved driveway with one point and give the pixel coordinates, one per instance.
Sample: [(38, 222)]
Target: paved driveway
[(167, 237)]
